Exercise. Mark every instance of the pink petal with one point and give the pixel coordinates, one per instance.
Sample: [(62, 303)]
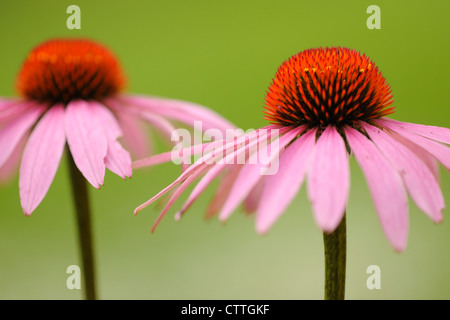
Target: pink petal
[(253, 198), (250, 174), (87, 141), (153, 160), (223, 190), (175, 154), (432, 132), (182, 111), (106, 119), (214, 170), (200, 187), (280, 189), (118, 160), (198, 168), (165, 127), (11, 134), (162, 125), (6, 103), (201, 165), (135, 138), (218, 146), (419, 180), (421, 153), (440, 151), (194, 170), (9, 168), (178, 192), (386, 188), (329, 179), (11, 109), (41, 158)]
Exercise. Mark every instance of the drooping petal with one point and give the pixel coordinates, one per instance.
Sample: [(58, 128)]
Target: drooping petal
[(202, 164), (182, 111), (440, 151), (218, 146), (154, 160), (193, 171), (41, 158), (163, 126), (87, 141), (281, 188), (9, 168), (178, 192), (251, 202), (11, 134), (198, 168), (386, 188), (223, 190), (432, 132), (419, 180), (204, 182), (118, 160), (329, 179), (106, 119), (251, 173), (174, 155), (421, 153), (135, 138)]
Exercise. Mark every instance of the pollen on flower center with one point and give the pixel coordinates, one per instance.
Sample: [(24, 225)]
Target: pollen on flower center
[(327, 86), (61, 70)]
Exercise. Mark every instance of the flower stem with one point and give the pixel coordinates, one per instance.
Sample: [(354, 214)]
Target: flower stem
[(81, 201), (335, 262)]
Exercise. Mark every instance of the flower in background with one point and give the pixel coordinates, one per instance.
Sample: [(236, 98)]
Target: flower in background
[(71, 91), (326, 104)]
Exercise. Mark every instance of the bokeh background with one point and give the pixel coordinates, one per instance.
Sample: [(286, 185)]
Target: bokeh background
[(223, 54)]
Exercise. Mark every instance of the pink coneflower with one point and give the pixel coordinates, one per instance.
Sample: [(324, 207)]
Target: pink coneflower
[(71, 92), (327, 104)]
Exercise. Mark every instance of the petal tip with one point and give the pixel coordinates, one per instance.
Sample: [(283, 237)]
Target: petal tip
[(262, 230), (152, 231), (439, 220), (399, 249), (328, 227), (399, 246), (27, 213), (95, 185), (223, 221)]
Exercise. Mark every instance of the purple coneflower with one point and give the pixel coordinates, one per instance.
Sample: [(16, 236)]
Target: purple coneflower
[(326, 104), (71, 91)]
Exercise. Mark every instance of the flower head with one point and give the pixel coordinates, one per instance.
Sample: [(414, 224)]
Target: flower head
[(72, 92), (325, 104), (58, 71), (322, 87)]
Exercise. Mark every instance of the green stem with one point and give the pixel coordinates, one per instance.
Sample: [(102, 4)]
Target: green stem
[(335, 262), (81, 202)]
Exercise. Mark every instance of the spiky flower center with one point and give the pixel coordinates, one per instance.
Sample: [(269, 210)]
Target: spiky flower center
[(327, 86), (61, 70)]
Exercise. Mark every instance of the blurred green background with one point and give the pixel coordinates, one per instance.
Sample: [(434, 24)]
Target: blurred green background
[(223, 54)]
